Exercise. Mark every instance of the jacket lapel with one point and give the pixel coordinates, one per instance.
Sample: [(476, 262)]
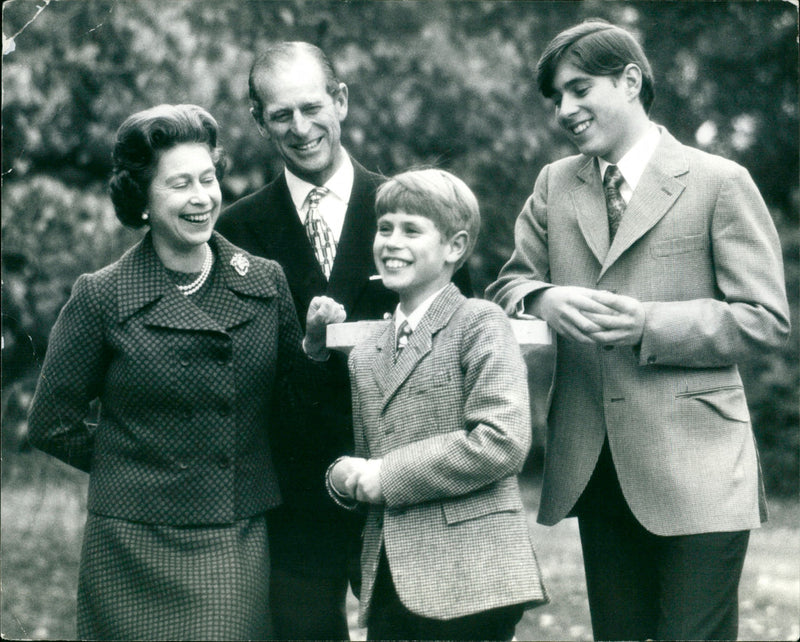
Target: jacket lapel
[(143, 283), (590, 208), (390, 376), (655, 194), (354, 263)]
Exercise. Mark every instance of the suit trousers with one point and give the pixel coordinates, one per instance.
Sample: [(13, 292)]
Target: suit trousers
[(307, 608), (646, 586), (389, 619)]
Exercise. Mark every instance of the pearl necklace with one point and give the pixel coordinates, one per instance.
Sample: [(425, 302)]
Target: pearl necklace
[(195, 285)]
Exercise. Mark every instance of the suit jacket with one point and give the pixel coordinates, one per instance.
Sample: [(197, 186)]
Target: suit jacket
[(310, 532), (182, 433), (697, 245), (451, 421)]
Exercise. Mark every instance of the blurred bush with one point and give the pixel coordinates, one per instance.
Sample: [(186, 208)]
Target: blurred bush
[(431, 82)]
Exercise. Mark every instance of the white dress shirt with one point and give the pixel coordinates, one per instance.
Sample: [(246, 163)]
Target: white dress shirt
[(415, 317), (632, 164)]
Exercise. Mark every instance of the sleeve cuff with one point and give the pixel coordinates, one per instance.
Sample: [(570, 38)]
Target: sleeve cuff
[(342, 500)]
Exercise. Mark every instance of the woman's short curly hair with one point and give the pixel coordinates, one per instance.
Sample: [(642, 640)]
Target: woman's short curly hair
[(139, 143)]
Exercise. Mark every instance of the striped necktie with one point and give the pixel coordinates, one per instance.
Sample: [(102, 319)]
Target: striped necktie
[(319, 234), (615, 204), (403, 332)]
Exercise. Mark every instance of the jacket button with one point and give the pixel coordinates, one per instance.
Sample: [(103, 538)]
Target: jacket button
[(182, 465), (608, 347), (651, 359), (185, 362), (224, 410), (187, 413), (223, 461)]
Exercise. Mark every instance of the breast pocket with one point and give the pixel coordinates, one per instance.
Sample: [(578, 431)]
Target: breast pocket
[(679, 245)]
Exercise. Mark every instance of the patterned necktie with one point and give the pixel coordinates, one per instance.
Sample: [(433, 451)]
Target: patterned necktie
[(319, 234), (403, 332), (615, 204)]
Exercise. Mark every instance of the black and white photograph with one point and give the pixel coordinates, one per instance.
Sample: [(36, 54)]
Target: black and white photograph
[(400, 320)]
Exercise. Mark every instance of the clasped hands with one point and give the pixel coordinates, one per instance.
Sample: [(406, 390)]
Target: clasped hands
[(358, 479), (591, 316), (322, 311)]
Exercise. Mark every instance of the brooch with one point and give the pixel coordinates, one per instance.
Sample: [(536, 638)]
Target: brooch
[(240, 263)]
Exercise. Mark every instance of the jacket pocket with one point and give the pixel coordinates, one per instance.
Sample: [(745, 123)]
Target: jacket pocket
[(485, 502), (678, 245), (727, 401)]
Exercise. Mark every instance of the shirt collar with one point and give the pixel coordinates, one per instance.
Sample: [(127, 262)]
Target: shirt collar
[(415, 317), (632, 164), (339, 185)]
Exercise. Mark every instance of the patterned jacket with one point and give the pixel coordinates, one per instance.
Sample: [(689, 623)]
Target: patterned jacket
[(184, 396), (451, 421)]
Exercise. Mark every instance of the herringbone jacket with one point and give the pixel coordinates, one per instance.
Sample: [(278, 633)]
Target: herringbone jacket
[(451, 421), (185, 398)]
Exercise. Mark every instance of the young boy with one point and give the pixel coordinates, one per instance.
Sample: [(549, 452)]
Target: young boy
[(442, 427), (659, 267)]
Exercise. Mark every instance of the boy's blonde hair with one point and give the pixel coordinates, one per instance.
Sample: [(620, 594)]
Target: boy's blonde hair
[(437, 195)]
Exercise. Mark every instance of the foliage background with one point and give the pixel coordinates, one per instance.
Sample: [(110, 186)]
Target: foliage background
[(439, 82)]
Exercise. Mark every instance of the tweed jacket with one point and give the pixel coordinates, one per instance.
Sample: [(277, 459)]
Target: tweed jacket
[(451, 421), (309, 532), (697, 246), (185, 398)]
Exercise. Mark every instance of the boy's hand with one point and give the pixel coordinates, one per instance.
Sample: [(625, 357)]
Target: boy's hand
[(367, 482), (322, 311), (343, 471)]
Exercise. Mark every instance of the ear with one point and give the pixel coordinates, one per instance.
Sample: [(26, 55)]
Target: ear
[(458, 247), (632, 79), (340, 101), (261, 129)]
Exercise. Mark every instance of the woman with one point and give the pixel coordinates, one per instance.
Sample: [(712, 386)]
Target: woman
[(186, 341)]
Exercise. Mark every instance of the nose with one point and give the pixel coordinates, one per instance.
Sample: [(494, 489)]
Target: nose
[(300, 124), (200, 195), (567, 106)]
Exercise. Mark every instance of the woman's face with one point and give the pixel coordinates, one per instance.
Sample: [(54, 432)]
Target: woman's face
[(184, 197)]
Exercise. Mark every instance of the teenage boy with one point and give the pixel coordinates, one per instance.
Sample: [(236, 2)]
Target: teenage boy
[(442, 429), (659, 267)]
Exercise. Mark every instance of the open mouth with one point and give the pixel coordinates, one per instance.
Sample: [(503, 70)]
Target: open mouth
[(197, 219), (310, 146), (579, 128), (395, 264)]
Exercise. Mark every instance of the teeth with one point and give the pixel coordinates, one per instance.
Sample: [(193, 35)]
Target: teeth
[(395, 264), (306, 146), (580, 128), (196, 218)]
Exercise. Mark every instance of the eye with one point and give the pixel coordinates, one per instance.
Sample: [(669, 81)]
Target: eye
[(384, 229), (281, 117), (311, 110), (208, 180), (179, 185)]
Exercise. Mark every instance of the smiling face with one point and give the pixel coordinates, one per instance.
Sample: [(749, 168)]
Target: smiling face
[(302, 118), (184, 199), (602, 115), (413, 258)]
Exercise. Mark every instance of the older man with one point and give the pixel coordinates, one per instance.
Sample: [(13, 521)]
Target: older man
[(317, 220)]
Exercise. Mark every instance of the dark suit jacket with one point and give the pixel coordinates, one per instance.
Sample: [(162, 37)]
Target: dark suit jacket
[(310, 532), (182, 435)]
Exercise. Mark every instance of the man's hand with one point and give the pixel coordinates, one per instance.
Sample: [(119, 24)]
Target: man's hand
[(591, 316), (621, 327), (322, 311), (568, 310)]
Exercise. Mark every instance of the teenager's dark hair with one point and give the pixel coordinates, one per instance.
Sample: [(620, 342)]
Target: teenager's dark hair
[(284, 52), (598, 48), (139, 143)]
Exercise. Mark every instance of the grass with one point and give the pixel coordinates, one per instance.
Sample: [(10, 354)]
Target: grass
[(41, 525)]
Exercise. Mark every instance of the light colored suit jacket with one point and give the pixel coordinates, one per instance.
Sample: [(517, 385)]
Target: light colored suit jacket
[(697, 245), (451, 421)]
